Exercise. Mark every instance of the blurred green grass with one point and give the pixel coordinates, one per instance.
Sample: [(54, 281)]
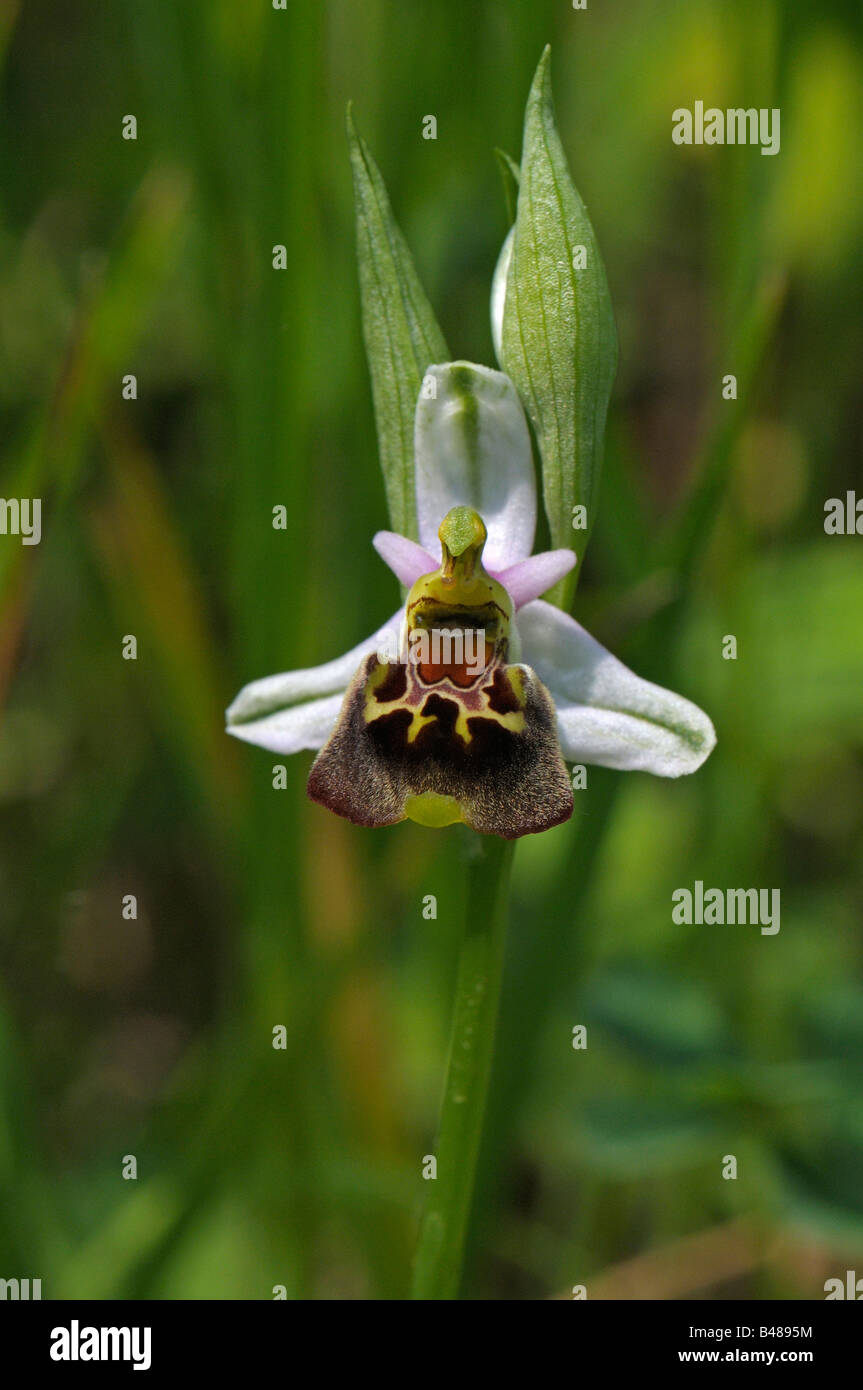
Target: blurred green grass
[(302, 1167)]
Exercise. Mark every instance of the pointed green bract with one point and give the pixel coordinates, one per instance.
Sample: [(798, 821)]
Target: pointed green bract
[(558, 337), (510, 175), (401, 333)]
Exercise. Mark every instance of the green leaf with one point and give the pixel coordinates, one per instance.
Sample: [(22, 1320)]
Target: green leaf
[(833, 1020), (632, 1136), (558, 340), (657, 1016), (510, 176), (401, 333), (820, 1185)]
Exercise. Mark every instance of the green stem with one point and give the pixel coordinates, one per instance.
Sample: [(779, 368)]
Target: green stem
[(440, 1251)]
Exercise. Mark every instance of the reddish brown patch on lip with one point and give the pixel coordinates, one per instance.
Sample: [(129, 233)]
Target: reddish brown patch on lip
[(463, 674), (459, 675), (500, 695), (394, 684)]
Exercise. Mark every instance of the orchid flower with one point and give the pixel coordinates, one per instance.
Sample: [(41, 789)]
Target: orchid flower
[(434, 740)]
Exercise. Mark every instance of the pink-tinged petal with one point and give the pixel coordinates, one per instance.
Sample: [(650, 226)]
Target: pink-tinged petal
[(533, 577), (407, 560)]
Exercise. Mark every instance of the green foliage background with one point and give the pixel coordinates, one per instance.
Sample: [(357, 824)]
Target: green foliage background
[(302, 1167)]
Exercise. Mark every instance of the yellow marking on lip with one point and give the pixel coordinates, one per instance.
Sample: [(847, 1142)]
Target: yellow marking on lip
[(513, 720), (433, 809), (377, 676), (419, 722), (516, 679)]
